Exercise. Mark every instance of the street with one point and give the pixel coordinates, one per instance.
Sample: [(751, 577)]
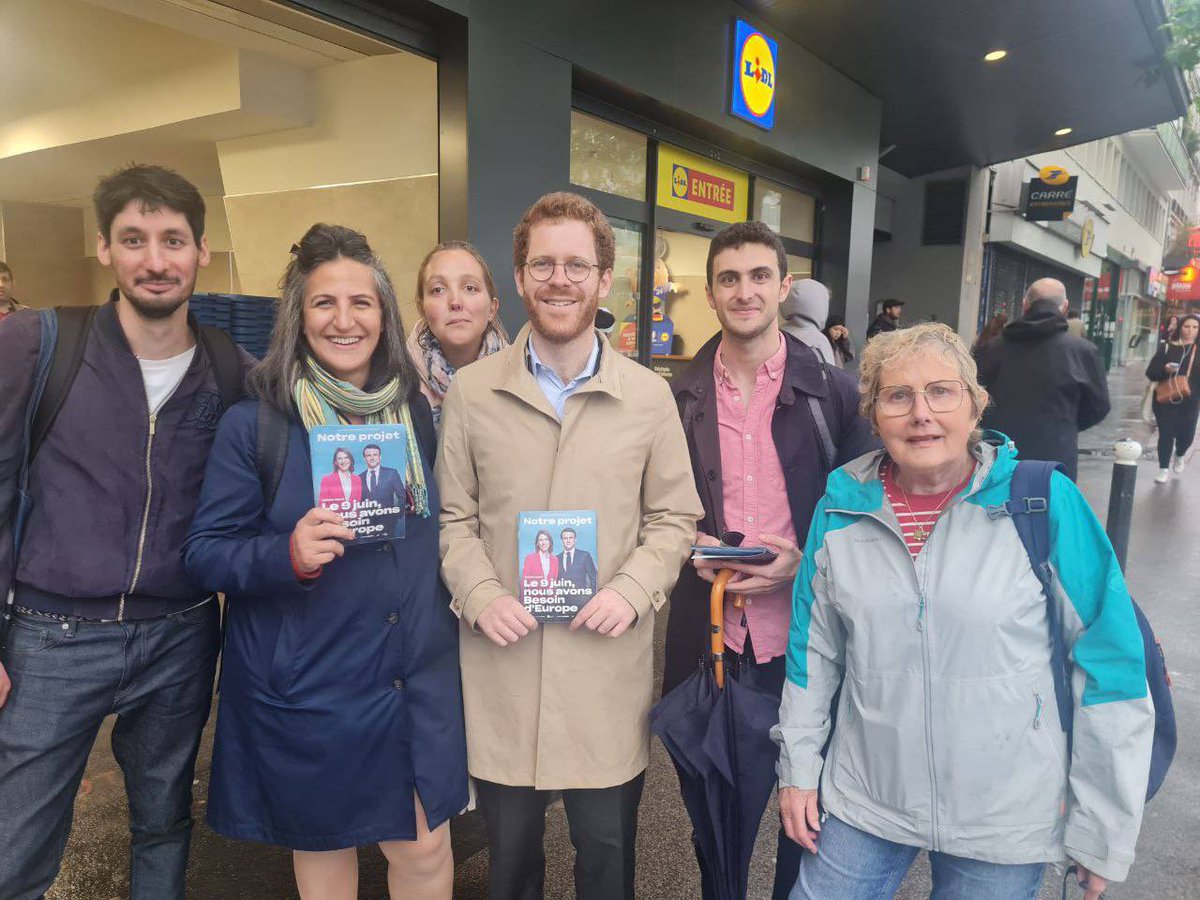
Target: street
[(1163, 571)]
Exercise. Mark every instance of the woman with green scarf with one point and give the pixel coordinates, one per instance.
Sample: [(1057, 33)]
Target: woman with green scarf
[(340, 720)]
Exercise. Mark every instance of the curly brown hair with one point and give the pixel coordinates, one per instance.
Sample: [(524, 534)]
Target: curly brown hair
[(557, 207)]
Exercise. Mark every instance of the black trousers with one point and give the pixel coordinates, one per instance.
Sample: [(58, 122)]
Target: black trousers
[(1176, 428), (768, 677), (603, 826)]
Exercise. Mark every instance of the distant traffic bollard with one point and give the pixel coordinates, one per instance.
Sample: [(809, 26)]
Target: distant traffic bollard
[(1120, 498)]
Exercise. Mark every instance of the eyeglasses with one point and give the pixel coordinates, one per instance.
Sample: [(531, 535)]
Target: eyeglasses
[(940, 397), (577, 270)]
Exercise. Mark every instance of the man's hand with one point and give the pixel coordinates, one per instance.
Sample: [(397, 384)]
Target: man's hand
[(318, 539), (1093, 885), (5, 686), (607, 612), (800, 816), (750, 579), (505, 621)]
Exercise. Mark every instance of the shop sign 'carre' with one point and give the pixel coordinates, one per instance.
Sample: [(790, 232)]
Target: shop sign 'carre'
[(755, 75), (1051, 196)]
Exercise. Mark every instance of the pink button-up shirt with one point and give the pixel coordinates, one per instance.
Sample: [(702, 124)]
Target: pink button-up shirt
[(755, 497)]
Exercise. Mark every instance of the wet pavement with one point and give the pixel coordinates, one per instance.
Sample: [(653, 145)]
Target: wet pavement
[(1163, 571)]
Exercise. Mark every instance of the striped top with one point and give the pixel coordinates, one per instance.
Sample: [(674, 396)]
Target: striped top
[(921, 513)]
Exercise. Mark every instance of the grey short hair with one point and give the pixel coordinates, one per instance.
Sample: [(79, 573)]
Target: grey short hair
[(888, 348)]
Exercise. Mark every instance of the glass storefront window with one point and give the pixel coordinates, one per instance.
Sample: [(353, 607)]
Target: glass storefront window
[(623, 297), (787, 212), (683, 320), (606, 157)]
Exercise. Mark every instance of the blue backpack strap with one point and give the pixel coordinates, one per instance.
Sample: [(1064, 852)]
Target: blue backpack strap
[(1029, 506)]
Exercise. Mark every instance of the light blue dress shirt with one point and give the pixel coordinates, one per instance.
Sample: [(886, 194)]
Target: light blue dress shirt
[(552, 386)]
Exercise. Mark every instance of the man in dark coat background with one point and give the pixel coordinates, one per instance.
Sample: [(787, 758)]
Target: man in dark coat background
[(1046, 384), (888, 318)]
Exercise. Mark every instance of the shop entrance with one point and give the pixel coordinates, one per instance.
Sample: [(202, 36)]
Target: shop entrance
[(665, 203)]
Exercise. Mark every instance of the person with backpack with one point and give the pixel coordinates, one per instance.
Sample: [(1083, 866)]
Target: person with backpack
[(105, 428), (341, 722), (766, 420), (918, 597)]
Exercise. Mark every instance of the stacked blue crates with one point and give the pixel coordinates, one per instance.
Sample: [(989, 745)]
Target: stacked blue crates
[(248, 319)]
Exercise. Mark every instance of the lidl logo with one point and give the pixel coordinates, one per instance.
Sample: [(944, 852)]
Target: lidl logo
[(755, 75), (1054, 175), (702, 187), (679, 182)]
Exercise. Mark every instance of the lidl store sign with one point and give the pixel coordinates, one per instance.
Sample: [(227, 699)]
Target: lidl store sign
[(701, 187), (755, 74)]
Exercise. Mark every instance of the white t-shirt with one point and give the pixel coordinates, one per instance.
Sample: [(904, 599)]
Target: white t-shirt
[(162, 376)]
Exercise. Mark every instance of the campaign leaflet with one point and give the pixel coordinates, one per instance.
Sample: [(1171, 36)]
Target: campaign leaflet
[(557, 559), (359, 472)]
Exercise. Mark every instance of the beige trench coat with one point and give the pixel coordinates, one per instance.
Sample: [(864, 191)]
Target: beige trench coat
[(561, 709)]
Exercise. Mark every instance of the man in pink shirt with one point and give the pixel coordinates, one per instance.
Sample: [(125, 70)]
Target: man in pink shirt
[(766, 421)]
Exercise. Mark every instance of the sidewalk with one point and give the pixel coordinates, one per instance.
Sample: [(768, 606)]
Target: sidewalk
[(1164, 572)]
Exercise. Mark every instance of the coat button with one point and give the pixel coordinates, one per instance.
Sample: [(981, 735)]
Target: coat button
[(398, 684), (393, 618)]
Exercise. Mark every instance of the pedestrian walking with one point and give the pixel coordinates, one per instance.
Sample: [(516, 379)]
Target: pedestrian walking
[(921, 604), (888, 318), (839, 339), (8, 303), (747, 407), (103, 617), (558, 422), (992, 330), (804, 311), (1046, 385), (1176, 402), (1169, 330), (458, 303), (340, 721)]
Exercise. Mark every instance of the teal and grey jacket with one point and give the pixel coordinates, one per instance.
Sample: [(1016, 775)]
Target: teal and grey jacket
[(947, 733)]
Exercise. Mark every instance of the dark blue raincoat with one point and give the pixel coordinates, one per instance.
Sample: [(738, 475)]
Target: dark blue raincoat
[(339, 699)]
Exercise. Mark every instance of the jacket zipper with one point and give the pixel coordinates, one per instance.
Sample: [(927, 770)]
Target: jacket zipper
[(137, 565), (927, 686)]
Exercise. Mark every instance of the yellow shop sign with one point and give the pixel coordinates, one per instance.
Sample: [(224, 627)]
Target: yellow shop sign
[(701, 187)]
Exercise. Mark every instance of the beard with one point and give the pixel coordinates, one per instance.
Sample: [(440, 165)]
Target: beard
[(157, 306), (745, 329), (561, 326)]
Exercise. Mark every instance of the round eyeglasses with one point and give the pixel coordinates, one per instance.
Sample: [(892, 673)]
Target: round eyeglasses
[(940, 397), (577, 270)]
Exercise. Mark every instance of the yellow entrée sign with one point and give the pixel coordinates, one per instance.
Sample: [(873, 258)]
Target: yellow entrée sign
[(701, 187)]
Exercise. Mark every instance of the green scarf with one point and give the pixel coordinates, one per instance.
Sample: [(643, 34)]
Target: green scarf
[(324, 400)]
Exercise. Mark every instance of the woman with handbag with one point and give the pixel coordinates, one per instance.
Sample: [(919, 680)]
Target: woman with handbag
[(1176, 397)]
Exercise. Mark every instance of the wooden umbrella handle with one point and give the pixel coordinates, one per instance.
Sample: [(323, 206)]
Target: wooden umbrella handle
[(716, 619)]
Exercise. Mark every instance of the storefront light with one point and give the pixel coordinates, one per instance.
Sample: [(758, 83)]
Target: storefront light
[(995, 55)]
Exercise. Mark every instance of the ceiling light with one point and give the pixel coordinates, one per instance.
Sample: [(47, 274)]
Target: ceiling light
[(995, 56), (1063, 132)]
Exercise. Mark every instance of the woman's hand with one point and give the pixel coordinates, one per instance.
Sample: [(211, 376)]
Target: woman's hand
[(1093, 885), (800, 816), (749, 579), (318, 539)]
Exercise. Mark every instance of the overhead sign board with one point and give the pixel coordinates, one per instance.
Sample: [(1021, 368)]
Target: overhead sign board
[(1051, 196), (755, 75), (700, 187)]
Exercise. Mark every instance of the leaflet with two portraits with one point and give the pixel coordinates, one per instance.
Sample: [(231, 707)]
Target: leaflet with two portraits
[(557, 558), (359, 472)]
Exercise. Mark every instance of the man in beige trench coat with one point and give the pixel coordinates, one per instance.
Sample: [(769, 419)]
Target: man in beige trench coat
[(559, 421)]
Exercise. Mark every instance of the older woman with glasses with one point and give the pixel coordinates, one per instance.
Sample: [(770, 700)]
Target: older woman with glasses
[(920, 601)]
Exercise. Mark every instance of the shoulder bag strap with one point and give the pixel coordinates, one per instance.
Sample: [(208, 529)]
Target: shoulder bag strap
[(270, 451)]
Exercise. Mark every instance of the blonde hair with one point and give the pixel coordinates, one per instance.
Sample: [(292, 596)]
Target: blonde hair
[(889, 348)]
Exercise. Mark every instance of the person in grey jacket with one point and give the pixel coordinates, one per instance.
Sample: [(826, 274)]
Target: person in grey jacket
[(924, 608), (804, 312)]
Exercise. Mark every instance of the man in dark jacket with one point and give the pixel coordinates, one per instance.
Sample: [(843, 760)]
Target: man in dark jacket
[(1046, 384), (888, 318), (101, 619), (760, 464)]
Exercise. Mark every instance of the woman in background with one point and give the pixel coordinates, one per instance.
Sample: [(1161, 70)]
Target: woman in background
[(458, 304), (1177, 417)]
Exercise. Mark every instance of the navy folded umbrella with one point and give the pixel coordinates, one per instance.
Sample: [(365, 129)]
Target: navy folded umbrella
[(718, 737)]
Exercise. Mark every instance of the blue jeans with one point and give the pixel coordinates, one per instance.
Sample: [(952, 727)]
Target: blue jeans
[(157, 676), (853, 865)]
